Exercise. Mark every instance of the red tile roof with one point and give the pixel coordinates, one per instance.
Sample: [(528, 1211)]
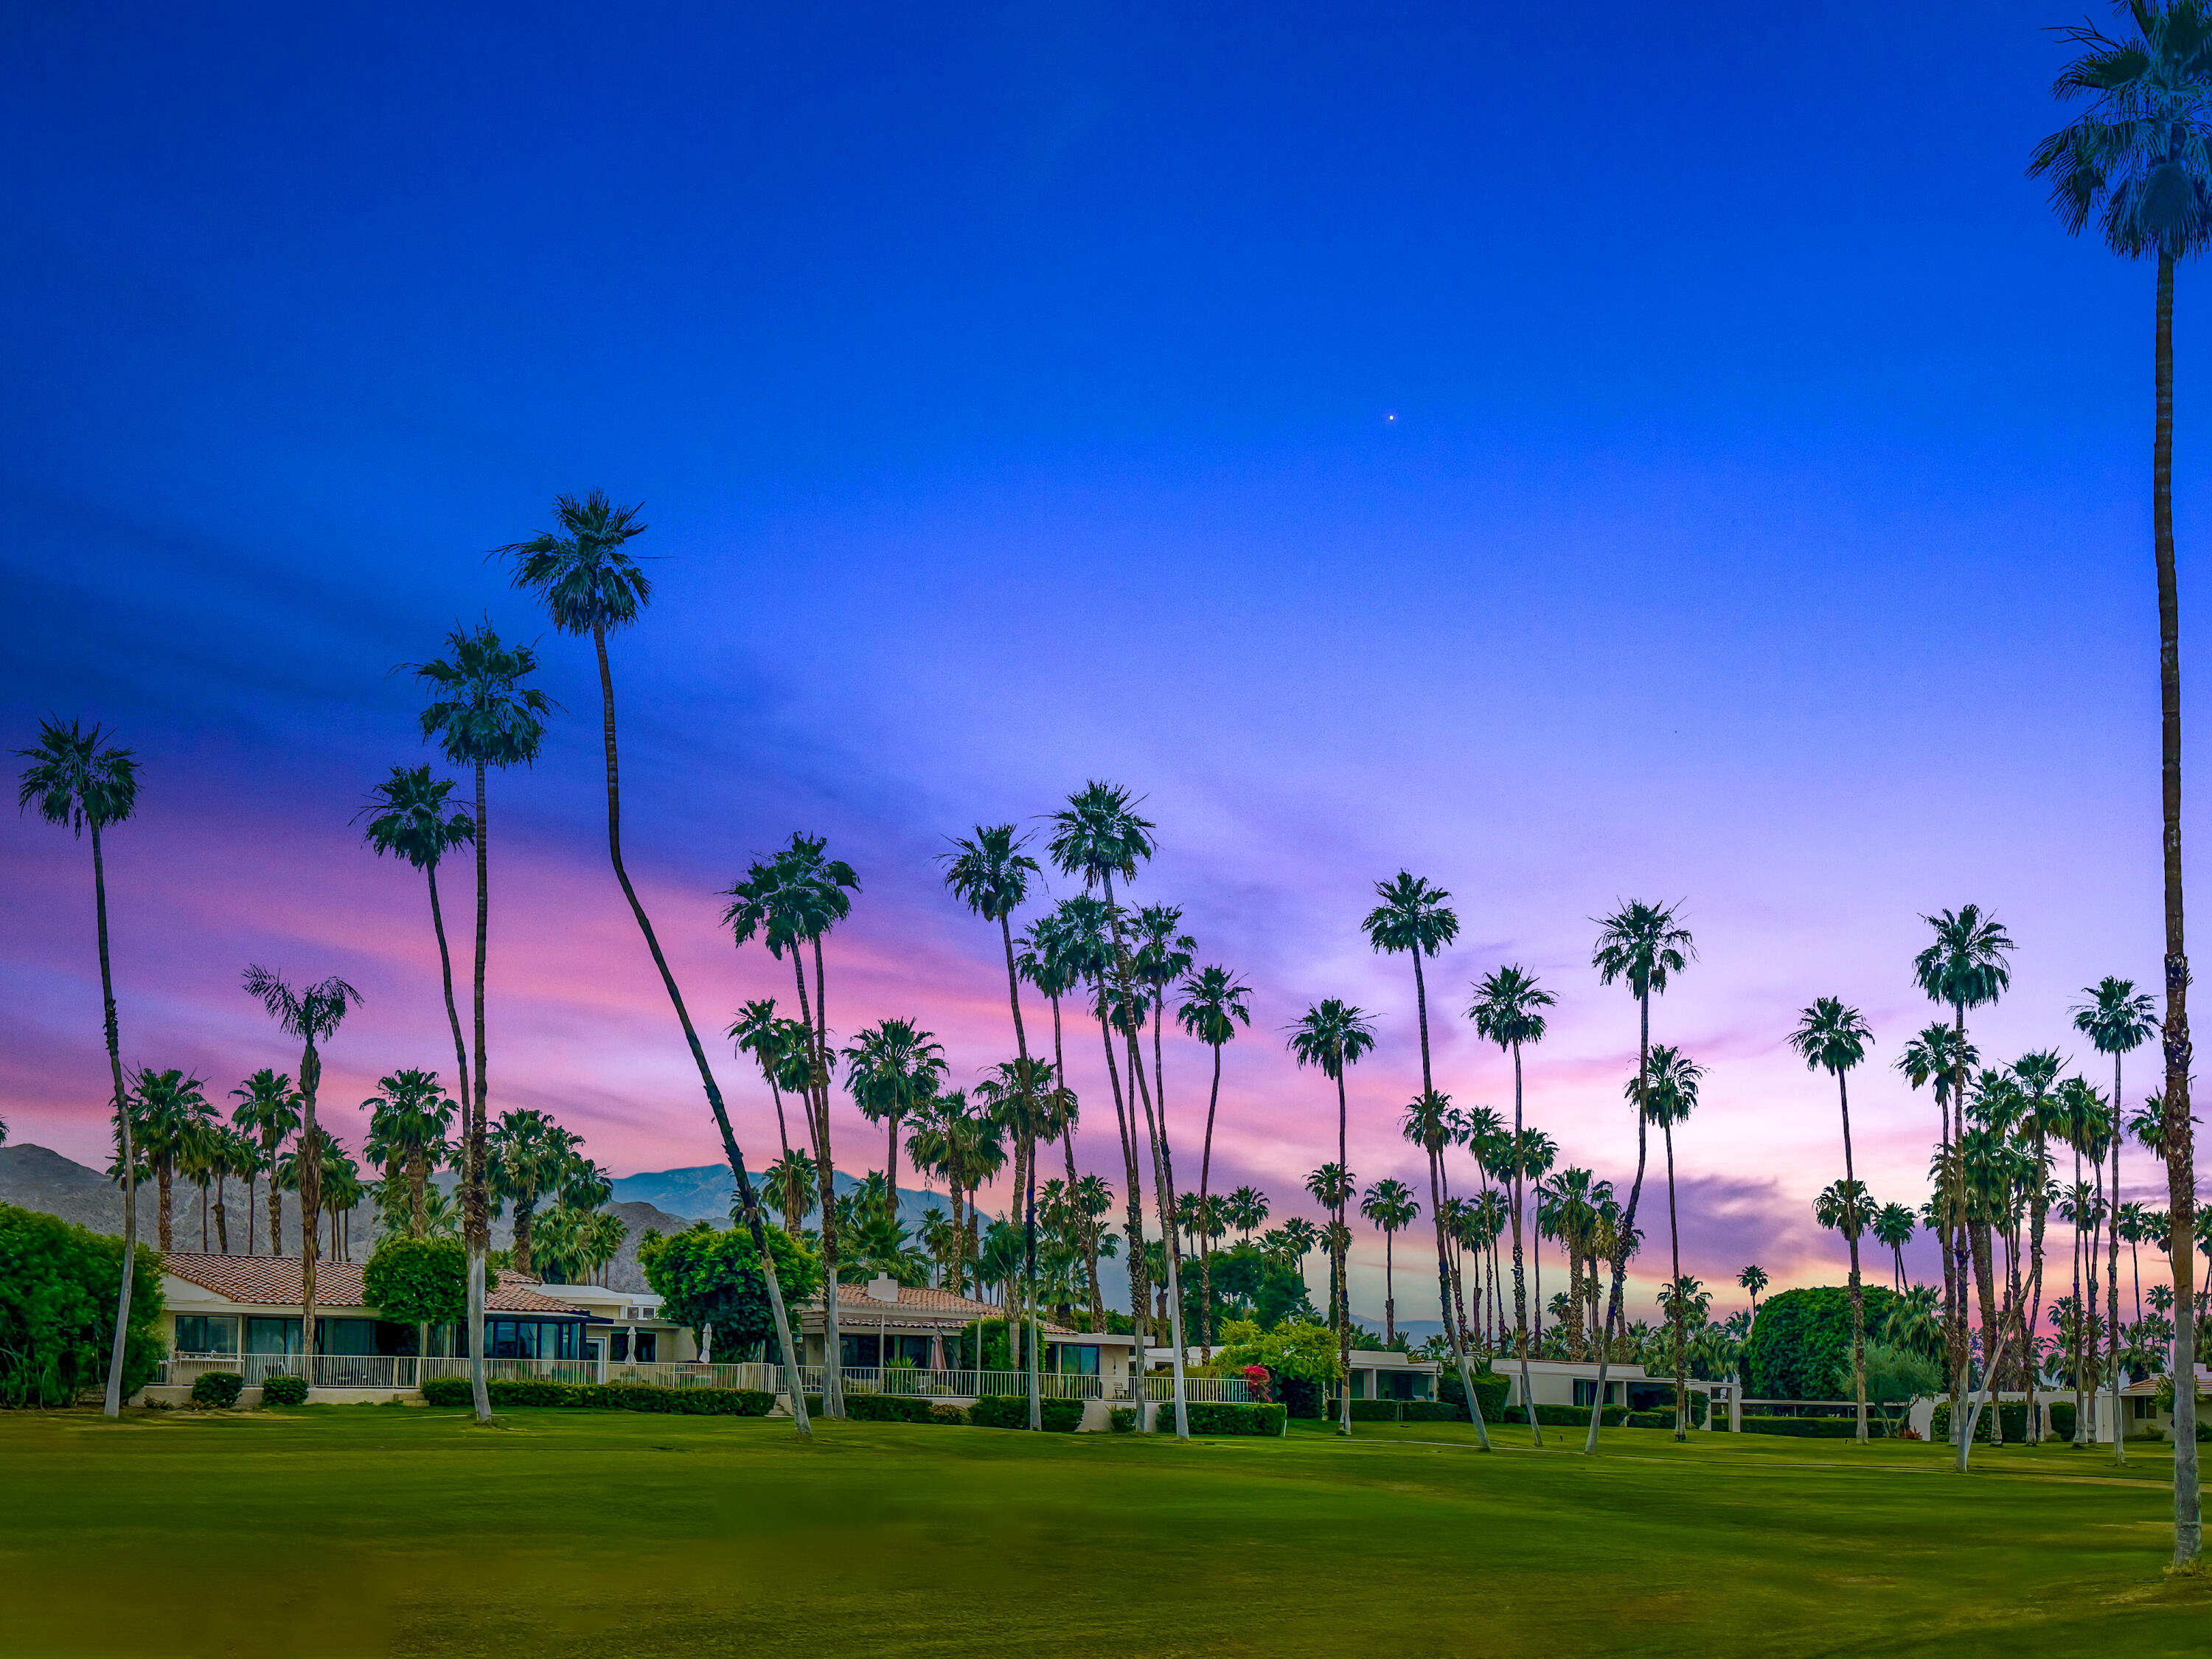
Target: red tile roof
[(918, 1308), (274, 1281)]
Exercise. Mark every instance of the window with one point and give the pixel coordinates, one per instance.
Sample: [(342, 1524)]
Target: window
[(648, 1343), (272, 1336), (206, 1334), (346, 1336), (1078, 1359), (619, 1347), (1586, 1391), (858, 1353)]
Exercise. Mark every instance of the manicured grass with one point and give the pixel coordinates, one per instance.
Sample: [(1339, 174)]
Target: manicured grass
[(346, 1530)]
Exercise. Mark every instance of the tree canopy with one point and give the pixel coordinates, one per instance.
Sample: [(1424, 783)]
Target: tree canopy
[(706, 1276), (1802, 1338)]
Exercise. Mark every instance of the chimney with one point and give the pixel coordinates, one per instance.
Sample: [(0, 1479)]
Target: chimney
[(882, 1288)]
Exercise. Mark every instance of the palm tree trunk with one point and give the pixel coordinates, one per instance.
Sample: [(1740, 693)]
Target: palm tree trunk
[(1085, 1226), (1435, 1194), (2039, 1217), (1957, 1274), (1859, 1294), (476, 1220), (2112, 1277), (223, 1217), (113, 1404), (446, 974), (1140, 1298), (1628, 1222), (1164, 1202), (1205, 1230), (162, 1179), (1029, 1217), (2080, 1313), (1390, 1290), (310, 1201), (825, 1179), (1675, 1319), (749, 1203), (1340, 1288), (1992, 1316), (1520, 1286)]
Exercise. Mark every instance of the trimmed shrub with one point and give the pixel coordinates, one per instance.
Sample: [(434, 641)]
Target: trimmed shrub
[(1303, 1395), (2013, 1421), (1802, 1337), (1490, 1390), (1207, 1417), (943, 1413), (1121, 1419), (218, 1389), (888, 1408), (1664, 1417), (2061, 1420), (1012, 1411), (610, 1396), (1803, 1428), (1415, 1411), (285, 1391), (1573, 1417)]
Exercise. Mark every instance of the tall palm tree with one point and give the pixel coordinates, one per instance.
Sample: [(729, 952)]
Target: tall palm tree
[(1099, 836), (268, 1109), (408, 1118), (1833, 1038), (1390, 1205), (2021, 1103), (1334, 1187), (1061, 951), (783, 1049), (1414, 919), (1892, 1231), (1330, 1037), (2117, 1019), (312, 1014), (530, 1159), (1753, 1280), (989, 872), (1670, 1095), (484, 714), (891, 1068), (1246, 1210), (1215, 1002), (80, 780), (1967, 966), (165, 1108), (1534, 1154), (409, 817), (2085, 1123), (2141, 159), (793, 900), (1643, 944), (1509, 1009), (590, 583)]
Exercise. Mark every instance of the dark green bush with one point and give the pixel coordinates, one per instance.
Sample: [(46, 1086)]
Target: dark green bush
[(1209, 1418), (1121, 1419), (2061, 1420), (285, 1391), (943, 1411), (607, 1396), (218, 1389), (1574, 1417), (1012, 1411), (888, 1408), (2013, 1421), (1802, 1337), (59, 1283), (1415, 1411), (1804, 1428), (1664, 1417), (1303, 1395), (1489, 1389)]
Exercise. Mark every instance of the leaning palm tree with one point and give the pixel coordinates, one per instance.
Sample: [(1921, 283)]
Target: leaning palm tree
[(990, 873), (1643, 944), (1833, 1038), (312, 1014), (408, 817), (1670, 1095), (79, 780), (1509, 1009), (1967, 966), (1414, 918), (2141, 159), (484, 714), (791, 900), (1215, 1003), (2117, 1019), (1390, 1205), (590, 583), (1330, 1037)]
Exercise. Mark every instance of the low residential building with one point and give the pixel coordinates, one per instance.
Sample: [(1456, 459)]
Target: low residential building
[(1377, 1373), (885, 1325), (1574, 1383)]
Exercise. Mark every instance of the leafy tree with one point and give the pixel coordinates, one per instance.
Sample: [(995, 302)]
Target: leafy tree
[(79, 781), (1801, 1340), (1833, 1038), (2141, 159), (1643, 944), (708, 1277), (410, 816), (57, 1283), (419, 1281)]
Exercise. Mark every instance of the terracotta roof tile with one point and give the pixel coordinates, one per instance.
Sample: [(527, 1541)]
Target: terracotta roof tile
[(918, 1308), (274, 1281)]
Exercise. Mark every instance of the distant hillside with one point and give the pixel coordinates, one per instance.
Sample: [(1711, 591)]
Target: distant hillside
[(706, 1192)]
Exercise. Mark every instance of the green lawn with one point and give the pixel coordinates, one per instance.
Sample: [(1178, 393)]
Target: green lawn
[(345, 1530)]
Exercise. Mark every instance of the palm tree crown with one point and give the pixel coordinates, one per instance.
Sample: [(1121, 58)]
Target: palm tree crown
[(1413, 916), (586, 577), (1642, 943), (2117, 1019), (1831, 1037), (794, 896), (1331, 1036), (1967, 966), (988, 871), (1508, 1006), (1098, 835), (76, 778), (480, 710), (1671, 1094), (407, 817)]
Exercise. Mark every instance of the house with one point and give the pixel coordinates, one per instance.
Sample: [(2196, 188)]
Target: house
[(884, 1325), (242, 1313), (1574, 1383), (1377, 1374), (2141, 1414)]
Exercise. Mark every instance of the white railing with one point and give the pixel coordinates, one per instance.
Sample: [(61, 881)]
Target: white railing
[(325, 1371), (913, 1381), (517, 1370), (1206, 1390)]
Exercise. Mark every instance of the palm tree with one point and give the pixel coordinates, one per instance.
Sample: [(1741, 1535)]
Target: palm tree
[(1098, 835), (1059, 950), (408, 816), (792, 1179), (484, 716), (80, 780), (1507, 1009), (2084, 1123), (1390, 1205), (1246, 1210), (2022, 1103), (1334, 1186), (1936, 1057), (312, 1014), (793, 900), (1534, 1154), (1414, 918), (990, 873), (1644, 943), (1965, 967), (1892, 1231), (1215, 1003), (1833, 1038), (590, 583), (2117, 1019), (783, 1049), (530, 1159), (165, 1108), (2140, 159), (268, 1109), (890, 1069), (1670, 1095), (1330, 1037), (1753, 1280), (409, 1118), (240, 1160)]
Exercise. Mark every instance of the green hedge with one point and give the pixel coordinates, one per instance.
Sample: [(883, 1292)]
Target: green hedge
[(1012, 1411), (1208, 1416), (285, 1391), (1413, 1410), (606, 1397), (219, 1389), (1664, 1417), (896, 1408), (1807, 1428), (1576, 1417), (1122, 1420), (1489, 1389), (2059, 1413)]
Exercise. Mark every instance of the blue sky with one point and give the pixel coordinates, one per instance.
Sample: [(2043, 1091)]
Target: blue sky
[(1576, 455)]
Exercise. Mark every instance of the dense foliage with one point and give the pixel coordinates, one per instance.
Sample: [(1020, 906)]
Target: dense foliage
[(706, 1276), (1490, 1391), (606, 1397), (1012, 1411), (1802, 1341), (285, 1391), (420, 1281), (1207, 1417), (58, 1284), (217, 1388)]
